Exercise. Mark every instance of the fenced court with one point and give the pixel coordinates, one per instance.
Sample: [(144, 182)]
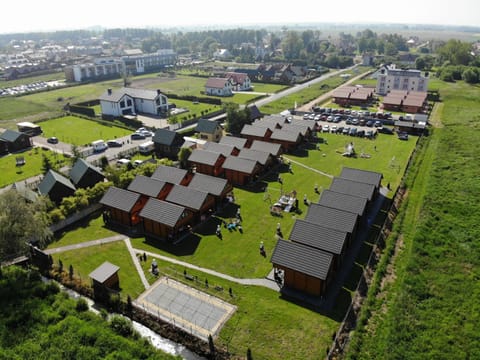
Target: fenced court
[(192, 310)]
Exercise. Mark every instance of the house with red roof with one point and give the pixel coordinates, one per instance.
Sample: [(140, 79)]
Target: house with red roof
[(218, 86), (240, 81)]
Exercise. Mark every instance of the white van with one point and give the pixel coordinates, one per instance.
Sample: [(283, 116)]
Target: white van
[(99, 145), (146, 148)]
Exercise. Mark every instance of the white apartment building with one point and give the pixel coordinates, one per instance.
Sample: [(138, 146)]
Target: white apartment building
[(109, 67), (390, 78)]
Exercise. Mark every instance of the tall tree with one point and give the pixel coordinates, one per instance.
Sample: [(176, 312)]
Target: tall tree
[(455, 52), (21, 222)]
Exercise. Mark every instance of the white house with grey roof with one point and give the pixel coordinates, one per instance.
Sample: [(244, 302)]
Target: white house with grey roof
[(127, 101)]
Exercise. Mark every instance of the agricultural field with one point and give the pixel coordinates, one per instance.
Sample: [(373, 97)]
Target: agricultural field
[(427, 306)]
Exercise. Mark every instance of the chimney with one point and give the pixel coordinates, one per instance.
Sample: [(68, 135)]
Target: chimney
[(109, 91), (158, 91)]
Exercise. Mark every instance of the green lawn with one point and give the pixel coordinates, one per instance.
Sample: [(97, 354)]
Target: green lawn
[(237, 254), (33, 165), (90, 228), (428, 308), (268, 88), (263, 322), (84, 261), (78, 131)]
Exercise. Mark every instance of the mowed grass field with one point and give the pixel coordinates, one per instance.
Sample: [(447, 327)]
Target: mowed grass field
[(85, 260), (32, 167), (428, 305), (78, 131)]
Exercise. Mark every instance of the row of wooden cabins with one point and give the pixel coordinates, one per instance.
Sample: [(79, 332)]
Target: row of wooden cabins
[(316, 248), (242, 159), (166, 204), (57, 186), (353, 95), (407, 101)]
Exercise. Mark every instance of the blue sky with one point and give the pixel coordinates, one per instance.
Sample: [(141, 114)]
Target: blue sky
[(46, 15)]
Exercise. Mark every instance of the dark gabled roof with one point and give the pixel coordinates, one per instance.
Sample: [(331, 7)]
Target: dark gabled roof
[(238, 142), (200, 156), (345, 202), (169, 174), (207, 126), (162, 212), (251, 130), (236, 163), (259, 156), (212, 185), (223, 149), (331, 218), (272, 148), (351, 187), (80, 169), (11, 135), (104, 272), (307, 123), (120, 199), (296, 128), (254, 112), (266, 124), (284, 135), (25, 191), (302, 258), (147, 186), (167, 137), (49, 181), (135, 93), (186, 196), (317, 236), (363, 176)]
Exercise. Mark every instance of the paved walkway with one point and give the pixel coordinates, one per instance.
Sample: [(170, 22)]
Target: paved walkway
[(85, 244), (136, 263), (258, 282), (133, 252), (111, 239)]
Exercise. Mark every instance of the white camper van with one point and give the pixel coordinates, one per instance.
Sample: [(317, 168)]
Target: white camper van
[(146, 148)]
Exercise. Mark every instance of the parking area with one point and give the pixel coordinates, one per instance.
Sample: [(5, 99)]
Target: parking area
[(194, 311)]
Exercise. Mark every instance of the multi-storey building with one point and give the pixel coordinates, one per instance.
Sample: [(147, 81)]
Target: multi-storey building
[(390, 78)]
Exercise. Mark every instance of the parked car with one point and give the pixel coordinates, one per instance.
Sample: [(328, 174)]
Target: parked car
[(52, 140), (325, 128), (385, 130), (378, 124), (353, 132), (114, 143), (137, 136), (333, 129), (369, 123), (121, 162), (369, 134), (346, 131), (403, 136)]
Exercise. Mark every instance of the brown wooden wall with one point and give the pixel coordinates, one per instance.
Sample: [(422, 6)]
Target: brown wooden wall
[(303, 282)]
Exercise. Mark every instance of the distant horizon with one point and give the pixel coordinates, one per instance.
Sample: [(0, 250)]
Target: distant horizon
[(293, 25), (56, 15)]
